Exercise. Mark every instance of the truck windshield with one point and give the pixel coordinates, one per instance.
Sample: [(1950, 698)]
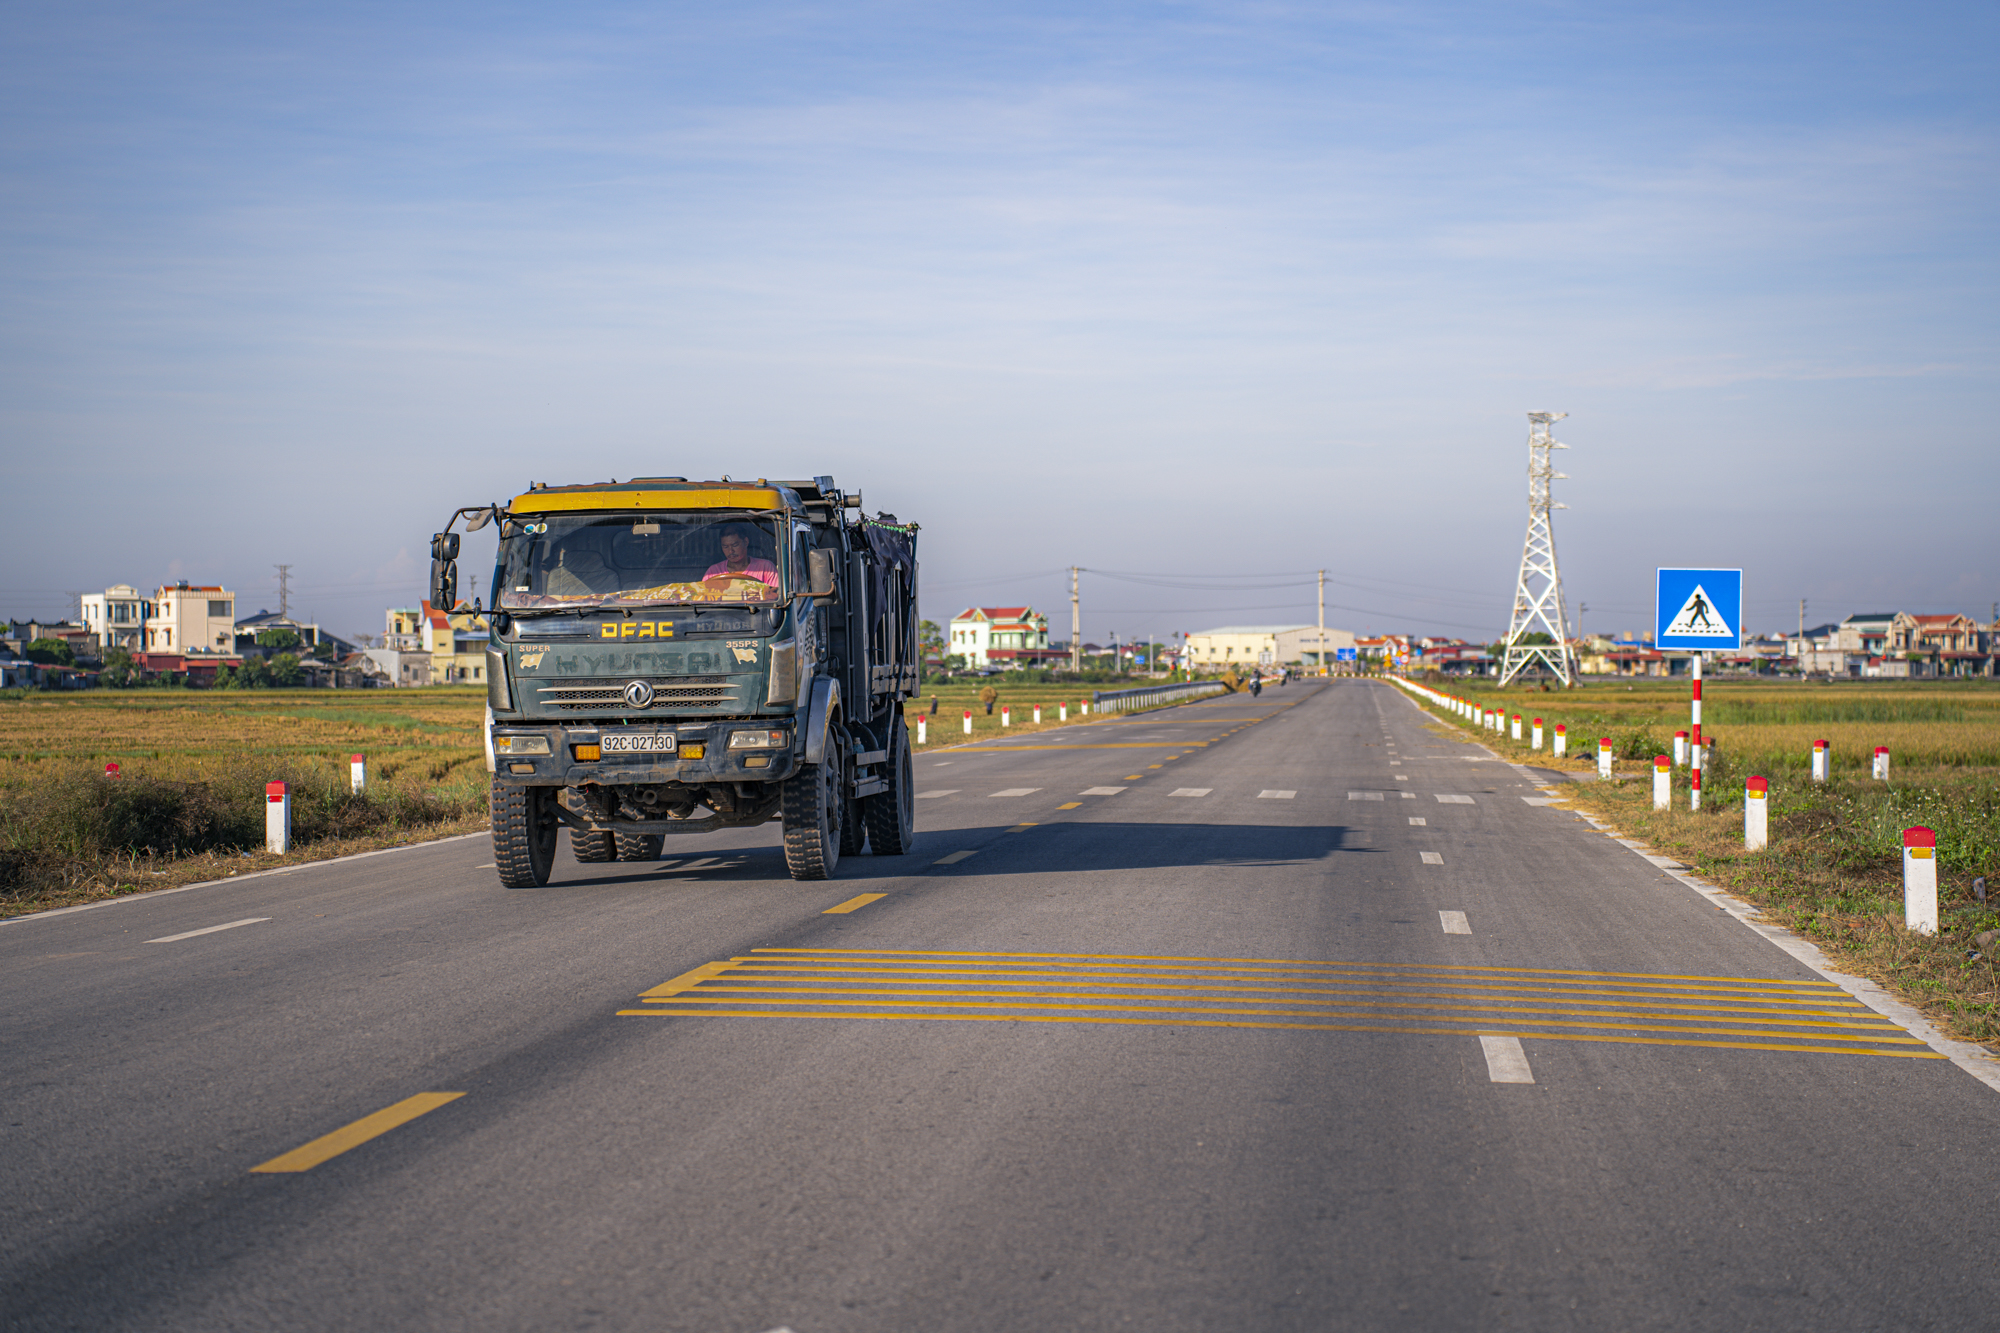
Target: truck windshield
[(584, 560)]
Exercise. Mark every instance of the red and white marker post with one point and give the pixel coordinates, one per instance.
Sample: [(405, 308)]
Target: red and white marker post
[(1604, 757), (1822, 760), (1038, 715), (1663, 782), (357, 773), (1680, 749), (1756, 814), (277, 817), (111, 770), (1562, 740), (968, 721), (1881, 763), (923, 729), (1062, 711), (1517, 726), (1006, 717), (1694, 745), (1920, 903), (1537, 734)]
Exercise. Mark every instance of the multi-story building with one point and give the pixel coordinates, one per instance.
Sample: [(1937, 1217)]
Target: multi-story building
[(191, 618), (456, 642), (988, 636), (117, 616)]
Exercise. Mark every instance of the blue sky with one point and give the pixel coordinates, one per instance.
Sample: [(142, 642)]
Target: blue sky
[(1172, 288)]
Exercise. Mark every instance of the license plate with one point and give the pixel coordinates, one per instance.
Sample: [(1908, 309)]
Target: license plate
[(636, 742)]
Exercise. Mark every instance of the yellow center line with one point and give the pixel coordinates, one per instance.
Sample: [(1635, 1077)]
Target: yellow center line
[(1107, 1020), (858, 901), (1022, 828), (1071, 805), (307, 1156), (774, 951)]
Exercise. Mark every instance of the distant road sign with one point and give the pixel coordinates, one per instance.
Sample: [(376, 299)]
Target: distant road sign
[(1343, 654), (1698, 608)]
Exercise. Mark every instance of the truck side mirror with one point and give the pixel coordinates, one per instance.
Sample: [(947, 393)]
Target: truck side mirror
[(819, 574), (444, 584)]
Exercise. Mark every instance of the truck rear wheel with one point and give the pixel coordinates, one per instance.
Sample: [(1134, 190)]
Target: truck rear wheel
[(593, 846), (892, 814), (640, 846), (813, 805), (524, 834)]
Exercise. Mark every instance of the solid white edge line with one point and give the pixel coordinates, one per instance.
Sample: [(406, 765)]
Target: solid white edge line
[(1977, 1061), (235, 879), (208, 930), (1506, 1062)]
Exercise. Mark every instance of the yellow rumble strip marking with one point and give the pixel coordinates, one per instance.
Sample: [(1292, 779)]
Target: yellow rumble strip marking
[(1636, 1008), (308, 1156)]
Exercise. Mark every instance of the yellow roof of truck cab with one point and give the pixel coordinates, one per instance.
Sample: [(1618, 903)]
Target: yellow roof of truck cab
[(564, 499)]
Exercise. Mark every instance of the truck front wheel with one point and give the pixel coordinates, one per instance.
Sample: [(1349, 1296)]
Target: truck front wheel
[(524, 834), (814, 801)]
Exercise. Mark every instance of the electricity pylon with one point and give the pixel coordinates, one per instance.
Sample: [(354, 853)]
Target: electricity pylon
[(1538, 598)]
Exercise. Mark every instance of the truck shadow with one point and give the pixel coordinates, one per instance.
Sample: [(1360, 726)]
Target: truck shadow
[(1066, 848)]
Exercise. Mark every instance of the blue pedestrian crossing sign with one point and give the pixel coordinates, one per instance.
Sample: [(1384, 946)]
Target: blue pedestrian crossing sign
[(1698, 608)]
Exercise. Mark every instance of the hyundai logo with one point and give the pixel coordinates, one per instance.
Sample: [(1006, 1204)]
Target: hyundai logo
[(639, 694)]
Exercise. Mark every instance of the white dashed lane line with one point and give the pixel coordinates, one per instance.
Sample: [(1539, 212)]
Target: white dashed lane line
[(933, 795), (954, 858), (1432, 858), (1276, 795), (1100, 791), (1454, 923), (1190, 791), (208, 930), (1018, 791), (1364, 796), (1418, 821), (1456, 800), (1506, 1062)]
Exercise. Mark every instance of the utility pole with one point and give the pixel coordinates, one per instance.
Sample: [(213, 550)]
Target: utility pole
[(1538, 586), (1322, 624), (1581, 607), (76, 599), (285, 592), (1075, 624)]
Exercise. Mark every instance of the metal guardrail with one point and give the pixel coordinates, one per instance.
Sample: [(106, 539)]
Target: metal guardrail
[(1149, 696)]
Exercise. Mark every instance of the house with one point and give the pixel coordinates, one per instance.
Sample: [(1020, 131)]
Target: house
[(1003, 636), (311, 636), (195, 670), (1235, 646), (456, 642), (21, 633), (117, 616), (1867, 634), (191, 618)]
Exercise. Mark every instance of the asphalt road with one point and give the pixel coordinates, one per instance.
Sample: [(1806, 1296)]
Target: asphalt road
[(1218, 1018)]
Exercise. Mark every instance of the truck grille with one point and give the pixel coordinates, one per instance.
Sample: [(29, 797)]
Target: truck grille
[(586, 696)]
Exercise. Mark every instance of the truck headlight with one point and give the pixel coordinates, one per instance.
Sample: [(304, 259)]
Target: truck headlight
[(758, 740), (520, 745)]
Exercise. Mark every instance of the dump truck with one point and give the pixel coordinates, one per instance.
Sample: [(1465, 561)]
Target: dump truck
[(671, 657)]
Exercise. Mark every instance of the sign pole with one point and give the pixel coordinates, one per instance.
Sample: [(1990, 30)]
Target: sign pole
[(1694, 793)]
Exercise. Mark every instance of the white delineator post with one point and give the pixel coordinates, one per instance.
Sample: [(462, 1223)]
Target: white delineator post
[(922, 729), (1006, 717), (1881, 763), (357, 773), (1062, 711), (1756, 814), (1680, 749), (1920, 903), (968, 721), (277, 817), (1517, 726), (1663, 782), (1820, 761), (1604, 757), (1038, 715), (1537, 734), (1562, 740)]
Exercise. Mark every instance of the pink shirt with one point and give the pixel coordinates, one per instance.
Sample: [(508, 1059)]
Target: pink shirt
[(756, 569)]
